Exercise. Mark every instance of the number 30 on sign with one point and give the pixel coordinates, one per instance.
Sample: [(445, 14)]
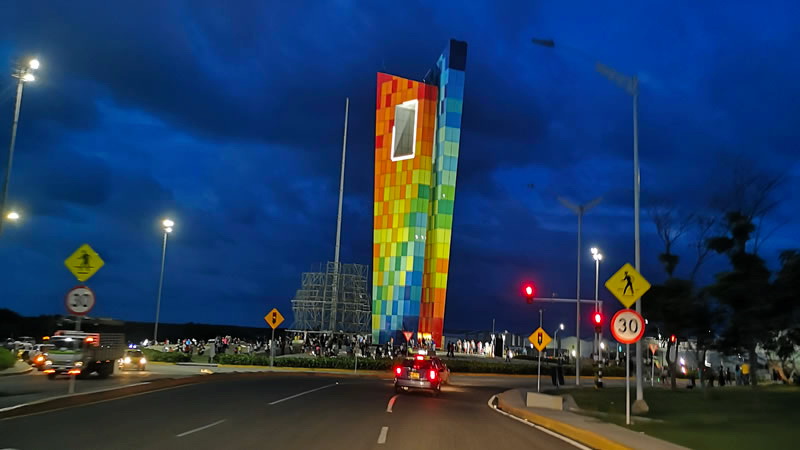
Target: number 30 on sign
[(627, 326)]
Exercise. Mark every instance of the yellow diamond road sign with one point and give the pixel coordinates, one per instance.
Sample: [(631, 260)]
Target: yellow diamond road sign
[(84, 263), (540, 339), (627, 285), (274, 318)]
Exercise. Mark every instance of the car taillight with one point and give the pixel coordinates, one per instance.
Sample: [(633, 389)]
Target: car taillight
[(74, 372), (398, 370), (48, 371), (432, 375)]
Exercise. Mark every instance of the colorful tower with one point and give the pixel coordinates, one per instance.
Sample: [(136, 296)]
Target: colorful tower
[(417, 133)]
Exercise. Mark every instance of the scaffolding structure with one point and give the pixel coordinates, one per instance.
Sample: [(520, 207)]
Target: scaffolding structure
[(334, 300)]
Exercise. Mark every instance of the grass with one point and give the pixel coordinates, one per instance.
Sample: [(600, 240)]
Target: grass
[(718, 418)]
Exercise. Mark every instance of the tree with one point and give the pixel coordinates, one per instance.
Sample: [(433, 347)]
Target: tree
[(670, 224), (703, 226), (785, 339), (745, 291), (751, 193)]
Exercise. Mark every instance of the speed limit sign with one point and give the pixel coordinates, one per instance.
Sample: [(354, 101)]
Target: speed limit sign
[(627, 326), (79, 300)]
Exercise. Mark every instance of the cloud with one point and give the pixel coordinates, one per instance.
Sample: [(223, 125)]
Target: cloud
[(230, 119)]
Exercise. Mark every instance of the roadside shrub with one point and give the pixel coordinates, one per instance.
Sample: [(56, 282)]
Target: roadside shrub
[(7, 359), (170, 357)]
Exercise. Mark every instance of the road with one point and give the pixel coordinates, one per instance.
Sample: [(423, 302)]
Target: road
[(35, 386), (282, 411)]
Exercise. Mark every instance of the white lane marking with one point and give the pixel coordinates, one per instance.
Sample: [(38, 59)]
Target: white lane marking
[(540, 428), (200, 428), (302, 393), (391, 403), (382, 436)]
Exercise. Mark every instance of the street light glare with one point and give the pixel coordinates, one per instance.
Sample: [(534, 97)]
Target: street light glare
[(561, 326), (168, 229), (13, 215), (168, 223), (34, 63), (594, 250), (28, 77)]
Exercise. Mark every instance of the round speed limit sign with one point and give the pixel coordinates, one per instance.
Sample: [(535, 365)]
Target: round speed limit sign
[(79, 300), (627, 326)]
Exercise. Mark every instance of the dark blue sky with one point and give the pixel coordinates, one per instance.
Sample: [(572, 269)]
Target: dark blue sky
[(229, 118)]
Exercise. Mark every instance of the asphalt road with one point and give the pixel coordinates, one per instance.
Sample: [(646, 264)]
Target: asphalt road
[(287, 412), (19, 389), (35, 386)]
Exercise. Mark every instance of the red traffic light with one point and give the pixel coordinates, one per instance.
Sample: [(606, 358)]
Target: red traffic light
[(529, 290), (598, 322)]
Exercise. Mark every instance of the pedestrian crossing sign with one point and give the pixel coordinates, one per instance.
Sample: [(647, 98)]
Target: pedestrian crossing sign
[(84, 263), (540, 339), (627, 285)]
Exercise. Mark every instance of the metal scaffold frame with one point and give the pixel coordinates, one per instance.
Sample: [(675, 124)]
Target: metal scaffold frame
[(333, 300)]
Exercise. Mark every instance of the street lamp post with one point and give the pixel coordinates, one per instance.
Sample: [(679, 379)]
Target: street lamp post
[(556, 341), (597, 256), (167, 225), (579, 210), (23, 74), (629, 84)]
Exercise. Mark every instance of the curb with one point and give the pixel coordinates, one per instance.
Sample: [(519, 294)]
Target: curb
[(196, 364), (586, 437), (11, 374)]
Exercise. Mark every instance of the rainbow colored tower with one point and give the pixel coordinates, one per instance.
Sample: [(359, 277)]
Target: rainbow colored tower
[(417, 134)]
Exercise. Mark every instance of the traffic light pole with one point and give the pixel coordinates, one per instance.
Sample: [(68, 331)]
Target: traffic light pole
[(539, 365)]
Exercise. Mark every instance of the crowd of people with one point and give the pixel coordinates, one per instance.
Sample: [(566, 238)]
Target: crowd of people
[(471, 347)]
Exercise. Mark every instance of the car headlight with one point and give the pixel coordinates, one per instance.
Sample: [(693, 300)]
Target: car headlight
[(79, 364), (127, 360), (142, 361)]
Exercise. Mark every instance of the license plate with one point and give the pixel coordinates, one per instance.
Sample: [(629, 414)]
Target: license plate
[(414, 376)]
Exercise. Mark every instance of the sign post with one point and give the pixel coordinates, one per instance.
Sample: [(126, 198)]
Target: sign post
[(83, 263), (628, 286), (79, 301), (540, 339), (273, 319), (627, 327)]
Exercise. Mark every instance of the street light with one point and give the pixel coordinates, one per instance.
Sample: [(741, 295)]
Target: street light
[(13, 215), (167, 226), (629, 84), (23, 74), (555, 338), (597, 256), (579, 210)]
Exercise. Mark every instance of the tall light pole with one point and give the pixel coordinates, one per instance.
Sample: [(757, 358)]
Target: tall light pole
[(579, 210), (597, 256), (629, 84), (555, 339), (167, 225), (23, 74)]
